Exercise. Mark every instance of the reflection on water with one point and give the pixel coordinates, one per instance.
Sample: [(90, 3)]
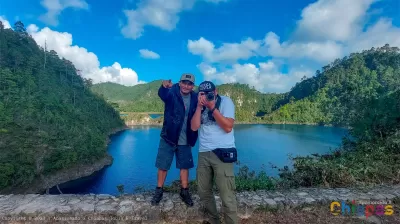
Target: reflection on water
[(134, 152)]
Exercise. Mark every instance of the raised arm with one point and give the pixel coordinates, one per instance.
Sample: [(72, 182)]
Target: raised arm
[(196, 122), (226, 119), (164, 90)]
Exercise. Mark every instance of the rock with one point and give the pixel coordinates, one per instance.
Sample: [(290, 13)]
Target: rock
[(168, 205), (106, 208), (270, 202), (302, 194), (309, 200), (137, 207)]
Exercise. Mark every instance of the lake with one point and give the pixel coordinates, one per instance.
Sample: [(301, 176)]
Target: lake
[(259, 146)]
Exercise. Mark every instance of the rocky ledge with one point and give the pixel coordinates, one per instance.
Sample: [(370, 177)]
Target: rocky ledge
[(132, 208)]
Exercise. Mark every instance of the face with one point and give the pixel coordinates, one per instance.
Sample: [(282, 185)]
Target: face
[(186, 86), (205, 94)]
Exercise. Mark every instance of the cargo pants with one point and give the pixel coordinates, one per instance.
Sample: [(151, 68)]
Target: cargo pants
[(210, 167)]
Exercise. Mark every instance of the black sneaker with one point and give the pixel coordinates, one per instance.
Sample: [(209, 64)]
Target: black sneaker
[(157, 196), (185, 196)]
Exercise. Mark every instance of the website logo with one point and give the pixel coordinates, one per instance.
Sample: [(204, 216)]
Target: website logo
[(362, 208)]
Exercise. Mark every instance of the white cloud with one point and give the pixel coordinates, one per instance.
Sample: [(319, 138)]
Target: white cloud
[(327, 30), (323, 52), (55, 7), (156, 13), (231, 52), (6, 24), (381, 33), (228, 52), (333, 20), (87, 62), (145, 53), (265, 77)]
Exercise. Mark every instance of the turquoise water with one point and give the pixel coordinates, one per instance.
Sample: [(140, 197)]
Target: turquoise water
[(259, 146), (154, 116)]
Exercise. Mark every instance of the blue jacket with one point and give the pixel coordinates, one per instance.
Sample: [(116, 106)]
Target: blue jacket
[(174, 115)]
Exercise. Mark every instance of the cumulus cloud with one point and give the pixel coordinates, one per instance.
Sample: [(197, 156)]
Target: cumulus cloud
[(323, 52), (327, 30), (156, 13), (228, 52), (145, 53), (87, 62), (55, 7), (270, 46), (6, 24), (334, 20), (264, 77), (381, 33)]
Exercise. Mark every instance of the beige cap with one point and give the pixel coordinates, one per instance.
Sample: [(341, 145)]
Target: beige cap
[(188, 77)]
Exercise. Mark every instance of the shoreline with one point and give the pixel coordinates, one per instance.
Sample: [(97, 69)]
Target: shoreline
[(75, 172), (131, 124)]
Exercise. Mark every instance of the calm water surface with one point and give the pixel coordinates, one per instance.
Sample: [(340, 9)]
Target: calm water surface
[(259, 146)]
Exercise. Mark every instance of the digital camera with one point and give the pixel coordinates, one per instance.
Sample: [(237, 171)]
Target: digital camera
[(210, 96)]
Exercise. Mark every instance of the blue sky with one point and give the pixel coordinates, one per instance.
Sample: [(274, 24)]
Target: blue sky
[(267, 44)]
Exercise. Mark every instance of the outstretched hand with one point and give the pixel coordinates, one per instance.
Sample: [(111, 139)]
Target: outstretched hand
[(167, 83)]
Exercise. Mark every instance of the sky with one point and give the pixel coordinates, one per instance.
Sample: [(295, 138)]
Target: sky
[(267, 44)]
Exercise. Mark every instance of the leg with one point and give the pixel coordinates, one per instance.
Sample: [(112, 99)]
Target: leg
[(161, 175), (164, 159), (184, 178), (184, 162), (225, 181), (205, 175)]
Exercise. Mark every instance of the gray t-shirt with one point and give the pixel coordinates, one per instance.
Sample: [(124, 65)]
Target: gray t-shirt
[(182, 137)]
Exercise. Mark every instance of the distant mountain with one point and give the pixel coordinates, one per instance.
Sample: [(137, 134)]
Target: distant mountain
[(144, 98), (333, 96)]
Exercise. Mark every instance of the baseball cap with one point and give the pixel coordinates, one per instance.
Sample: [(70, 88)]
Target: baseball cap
[(188, 77), (206, 86)]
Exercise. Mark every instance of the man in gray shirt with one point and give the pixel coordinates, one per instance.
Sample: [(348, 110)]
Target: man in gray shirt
[(177, 138)]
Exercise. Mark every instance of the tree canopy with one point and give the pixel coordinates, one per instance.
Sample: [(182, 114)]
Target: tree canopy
[(49, 117)]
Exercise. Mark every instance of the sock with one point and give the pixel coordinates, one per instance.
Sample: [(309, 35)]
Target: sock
[(158, 188)]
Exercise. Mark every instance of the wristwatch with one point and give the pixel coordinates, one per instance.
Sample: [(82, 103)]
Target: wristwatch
[(212, 111)]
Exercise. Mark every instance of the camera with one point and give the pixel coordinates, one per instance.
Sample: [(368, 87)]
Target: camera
[(210, 96)]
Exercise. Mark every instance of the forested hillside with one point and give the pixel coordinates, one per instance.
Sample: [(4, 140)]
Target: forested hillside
[(144, 98), (331, 97), (49, 118), (341, 90)]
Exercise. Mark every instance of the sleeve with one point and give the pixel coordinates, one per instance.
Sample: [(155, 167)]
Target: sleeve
[(163, 93), (228, 108)]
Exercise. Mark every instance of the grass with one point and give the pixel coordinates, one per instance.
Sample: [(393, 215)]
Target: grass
[(353, 165)]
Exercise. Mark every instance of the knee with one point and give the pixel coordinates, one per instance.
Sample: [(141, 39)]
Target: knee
[(204, 192)]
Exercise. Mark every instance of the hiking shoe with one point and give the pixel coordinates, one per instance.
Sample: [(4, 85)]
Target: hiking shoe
[(185, 196), (157, 196)]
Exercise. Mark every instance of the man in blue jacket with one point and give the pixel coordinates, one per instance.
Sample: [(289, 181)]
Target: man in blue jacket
[(180, 103)]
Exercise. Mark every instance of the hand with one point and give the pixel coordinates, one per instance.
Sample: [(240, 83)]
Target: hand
[(209, 104), (200, 101), (167, 83)]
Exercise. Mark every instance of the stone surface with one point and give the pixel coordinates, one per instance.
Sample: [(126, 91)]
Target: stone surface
[(138, 207)]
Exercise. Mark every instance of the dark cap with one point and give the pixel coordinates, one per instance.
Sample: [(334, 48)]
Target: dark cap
[(206, 86), (187, 77)]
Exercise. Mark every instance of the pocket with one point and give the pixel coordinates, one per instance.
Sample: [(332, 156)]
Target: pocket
[(229, 172), (230, 178)]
